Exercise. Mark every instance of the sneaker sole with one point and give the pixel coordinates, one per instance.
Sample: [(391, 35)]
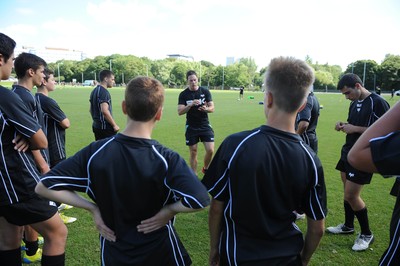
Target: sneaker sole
[(340, 233)]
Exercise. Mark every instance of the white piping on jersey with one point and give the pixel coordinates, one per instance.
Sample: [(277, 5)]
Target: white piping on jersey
[(6, 170), (393, 247), (31, 168), (175, 245), (315, 184), (16, 123), (102, 240), (67, 184), (174, 190), (381, 137), (90, 160)]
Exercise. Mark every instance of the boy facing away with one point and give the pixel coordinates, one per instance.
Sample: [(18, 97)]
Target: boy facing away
[(137, 185), (255, 193)]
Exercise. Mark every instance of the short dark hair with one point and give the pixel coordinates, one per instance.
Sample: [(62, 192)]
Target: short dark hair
[(47, 73), (143, 97), (349, 80), (289, 80), (190, 72), (7, 46), (105, 74), (25, 61)]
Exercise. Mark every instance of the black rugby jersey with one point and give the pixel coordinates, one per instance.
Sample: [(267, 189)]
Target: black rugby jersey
[(19, 174), (131, 179), (55, 133), (98, 96), (36, 111), (310, 113), (363, 113), (262, 176), (194, 117), (385, 152)]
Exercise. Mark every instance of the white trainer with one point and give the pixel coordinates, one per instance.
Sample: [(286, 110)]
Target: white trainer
[(362, 242)]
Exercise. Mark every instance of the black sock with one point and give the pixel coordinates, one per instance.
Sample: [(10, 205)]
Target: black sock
[(11, 257), (58, 260), (362, 216), (348, 215), (31, 247)]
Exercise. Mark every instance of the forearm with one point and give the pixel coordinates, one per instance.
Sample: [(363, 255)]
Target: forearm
[(65, 196), (214, 223), (315, 231), (183, 109), (302, 127), (40, 162), (108, 117)]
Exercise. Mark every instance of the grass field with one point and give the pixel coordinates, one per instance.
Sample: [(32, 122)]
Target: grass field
[(232, 116)]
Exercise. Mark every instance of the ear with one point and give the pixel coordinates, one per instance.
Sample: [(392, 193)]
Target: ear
[(158, 115), (123, 104), (31, 72), (269, 99)]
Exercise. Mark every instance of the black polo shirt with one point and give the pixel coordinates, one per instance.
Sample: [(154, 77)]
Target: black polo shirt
[(53, 115), (98, 96), (386, 156), (262, 176), (35, 110), (19, 174), (194, 117), (131, 179), (363, 113), (385, 153), (310, 113)]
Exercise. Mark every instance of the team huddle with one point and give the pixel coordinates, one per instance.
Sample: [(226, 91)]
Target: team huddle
[(136, 185)]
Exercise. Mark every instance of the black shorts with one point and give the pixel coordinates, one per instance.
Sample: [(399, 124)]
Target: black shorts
[(194, 135), (352, 174), (31, 211), (103, 133)]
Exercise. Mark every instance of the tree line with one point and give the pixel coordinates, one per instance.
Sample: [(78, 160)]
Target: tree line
[(172, 72)]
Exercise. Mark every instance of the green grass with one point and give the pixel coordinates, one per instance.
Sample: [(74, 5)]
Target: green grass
[(231, 116)]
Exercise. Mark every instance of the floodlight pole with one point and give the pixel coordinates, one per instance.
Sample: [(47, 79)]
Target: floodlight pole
[(110, 65), (58, 67)]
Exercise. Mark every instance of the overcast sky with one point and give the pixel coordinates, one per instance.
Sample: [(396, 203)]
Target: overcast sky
[(336, 32)]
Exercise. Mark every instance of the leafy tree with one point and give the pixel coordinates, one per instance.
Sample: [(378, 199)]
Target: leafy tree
[(390, 72)]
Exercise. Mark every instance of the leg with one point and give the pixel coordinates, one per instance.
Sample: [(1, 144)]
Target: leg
[(209, 147), (352, 195), (10, 242), (54, 233), (10, 235), (193, 157)]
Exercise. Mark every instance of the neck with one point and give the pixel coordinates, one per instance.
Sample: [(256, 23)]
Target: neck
[(26, 84), (43, 91), (195, 88), (137, 129), (281, 120), (364, 93)]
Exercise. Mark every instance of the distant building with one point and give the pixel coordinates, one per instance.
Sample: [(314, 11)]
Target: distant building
[(51, 54), (181, 56), (230, 60)]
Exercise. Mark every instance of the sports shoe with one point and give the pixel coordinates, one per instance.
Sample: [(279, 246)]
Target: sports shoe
[(34, 258), (340, 229), (362, 242), (67, 219), (64, 206), (300, 216)]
